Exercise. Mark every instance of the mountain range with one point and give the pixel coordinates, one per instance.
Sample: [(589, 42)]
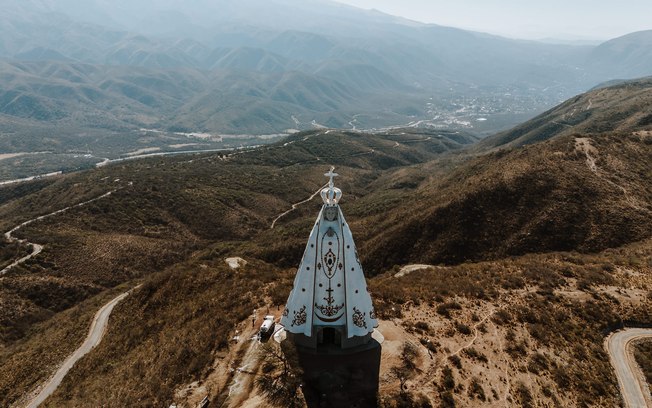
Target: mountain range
[(264, 67)]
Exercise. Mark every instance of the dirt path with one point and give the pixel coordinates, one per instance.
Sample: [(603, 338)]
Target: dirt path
[(633, 385), (36, 248), (508, 383), (561, 124), (295, 205), (95, 334), (243, 378), (583, 145), (475, 335), (127, 157), (590, 105), (408, 269)]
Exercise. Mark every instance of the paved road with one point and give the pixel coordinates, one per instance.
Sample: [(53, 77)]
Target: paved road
[(95, 334), (633, 386), (22, 180), (106, 161)]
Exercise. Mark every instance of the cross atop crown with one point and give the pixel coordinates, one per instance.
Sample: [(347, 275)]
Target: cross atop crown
[(331, 195), (331, 175)]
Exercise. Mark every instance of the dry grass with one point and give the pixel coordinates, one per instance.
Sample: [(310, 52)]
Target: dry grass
[(26, 364), (529, 341), (538, 198), (165, 334)]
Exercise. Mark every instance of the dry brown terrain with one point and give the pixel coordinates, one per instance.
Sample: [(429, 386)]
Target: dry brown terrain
[(539, 252), (534, 340)]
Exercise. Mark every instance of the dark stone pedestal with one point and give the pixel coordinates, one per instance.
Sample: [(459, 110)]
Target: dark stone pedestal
[(337, 378)]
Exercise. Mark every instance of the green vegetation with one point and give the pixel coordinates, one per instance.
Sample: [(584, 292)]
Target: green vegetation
[(476, 390), (448, 380), (403, 372), (524, 396), (475, 355), (10, 251)]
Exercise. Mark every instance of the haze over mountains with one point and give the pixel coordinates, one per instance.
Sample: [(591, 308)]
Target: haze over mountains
[(80, 71)]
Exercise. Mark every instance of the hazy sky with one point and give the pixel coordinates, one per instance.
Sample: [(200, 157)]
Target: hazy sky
[(568, 19)]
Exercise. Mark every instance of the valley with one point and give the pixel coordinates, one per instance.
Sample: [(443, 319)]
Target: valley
[(110, 87), (17, 167)]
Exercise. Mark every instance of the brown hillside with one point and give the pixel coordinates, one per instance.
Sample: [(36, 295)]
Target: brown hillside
[(172, 221), (163, 209), (625, 107), (545, 197)]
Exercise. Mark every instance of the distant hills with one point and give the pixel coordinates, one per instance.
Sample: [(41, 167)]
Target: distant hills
[(268, 66), (629, 56)]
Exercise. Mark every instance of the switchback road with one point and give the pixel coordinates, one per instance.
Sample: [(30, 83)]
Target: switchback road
[(36, 248)]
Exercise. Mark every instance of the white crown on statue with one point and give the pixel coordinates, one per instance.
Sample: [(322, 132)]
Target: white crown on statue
[(331, 194)]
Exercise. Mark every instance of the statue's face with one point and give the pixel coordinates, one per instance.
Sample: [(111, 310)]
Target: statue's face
[(330, 213)]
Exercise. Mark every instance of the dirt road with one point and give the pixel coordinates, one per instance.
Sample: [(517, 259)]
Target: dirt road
[(36, 248), (295, 205), (633, 385)]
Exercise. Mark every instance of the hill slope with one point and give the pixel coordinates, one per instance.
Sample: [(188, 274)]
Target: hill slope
[(623, 107), (410, 196), (570, 193), (173, 221)]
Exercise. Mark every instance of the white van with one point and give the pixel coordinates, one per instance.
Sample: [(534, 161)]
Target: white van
[(267, 328)]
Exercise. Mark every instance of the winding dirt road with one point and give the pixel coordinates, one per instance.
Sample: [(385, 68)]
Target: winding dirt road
[(95, 334), (408, 269), (36, 248), (295, 205), (633, 386)]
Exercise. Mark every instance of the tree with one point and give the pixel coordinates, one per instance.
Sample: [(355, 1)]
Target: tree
[(280, 377), (408, 368)]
